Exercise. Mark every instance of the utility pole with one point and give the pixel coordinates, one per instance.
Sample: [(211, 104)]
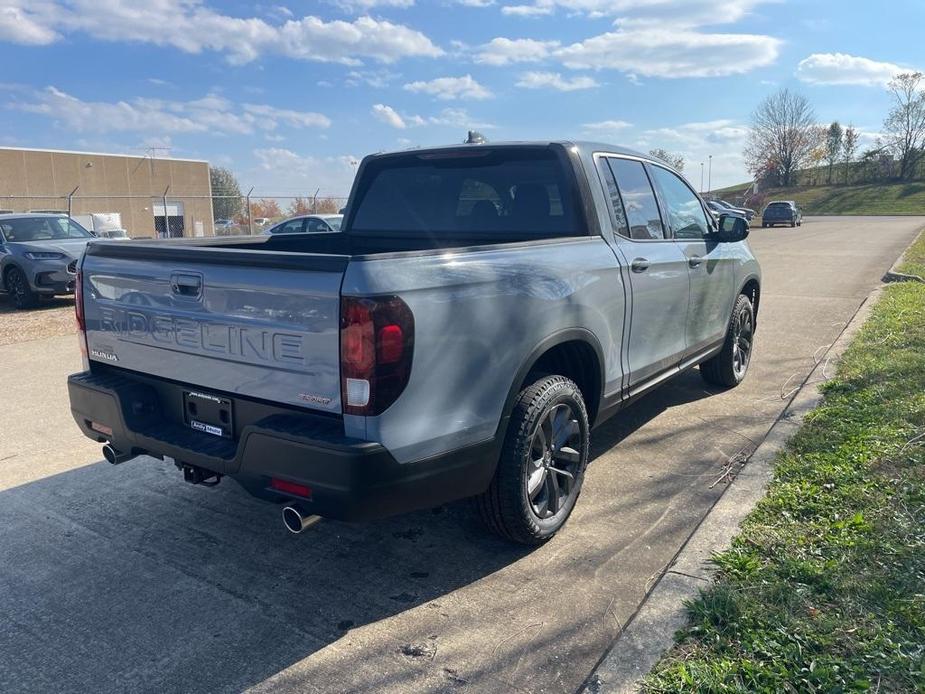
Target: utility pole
[(701, 178), (710, 176)]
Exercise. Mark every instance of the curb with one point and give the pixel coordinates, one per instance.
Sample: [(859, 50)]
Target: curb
[(650, 631), (894, 275)]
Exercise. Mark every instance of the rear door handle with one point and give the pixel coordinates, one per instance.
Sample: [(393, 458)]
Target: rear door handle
[(694, 260), (640, 264)]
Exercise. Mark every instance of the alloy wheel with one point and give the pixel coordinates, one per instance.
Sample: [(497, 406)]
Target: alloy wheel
[(554, 461), (743, 332)]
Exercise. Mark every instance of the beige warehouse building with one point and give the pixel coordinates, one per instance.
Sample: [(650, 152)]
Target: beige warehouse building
[(132, 187)]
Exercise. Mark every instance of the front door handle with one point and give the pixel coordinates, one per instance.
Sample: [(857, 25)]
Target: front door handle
[(694, 260), (640, 264)]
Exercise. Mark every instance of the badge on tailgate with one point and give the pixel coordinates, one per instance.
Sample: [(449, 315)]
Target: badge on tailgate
[(210, 414)]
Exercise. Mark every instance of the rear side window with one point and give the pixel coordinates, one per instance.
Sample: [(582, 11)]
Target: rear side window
[(515, 191), (645, 222), (685, 214), (616, 205)]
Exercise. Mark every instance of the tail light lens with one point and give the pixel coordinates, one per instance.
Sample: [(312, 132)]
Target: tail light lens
[(376, 347), (79, 314)]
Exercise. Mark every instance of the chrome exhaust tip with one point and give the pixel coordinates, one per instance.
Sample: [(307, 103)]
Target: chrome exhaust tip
[(114, 456), (296, 518)]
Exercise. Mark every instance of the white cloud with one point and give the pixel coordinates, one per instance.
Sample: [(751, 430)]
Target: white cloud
[(502, 51), (194, 27), (449, 88), (671, 54), (653, 38), (476, 3), (688, 12), (19, 25), (696, 141), (554, 80), (281, 171), (841, 68), (389, 116), (459, 118), (606, 126), (526, 10), (210, 114), (366, 5)]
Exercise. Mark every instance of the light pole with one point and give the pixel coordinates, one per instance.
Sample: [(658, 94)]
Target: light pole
[(701, 178), (710, 176)]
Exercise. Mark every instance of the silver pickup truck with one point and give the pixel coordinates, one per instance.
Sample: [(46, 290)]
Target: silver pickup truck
[(482, 309)]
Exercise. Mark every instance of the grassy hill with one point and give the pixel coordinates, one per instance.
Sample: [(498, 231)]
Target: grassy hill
[(870, 198)]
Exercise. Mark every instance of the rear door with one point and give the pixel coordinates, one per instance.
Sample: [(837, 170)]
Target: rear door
[(658, 273), (711, 265), (260, 324)]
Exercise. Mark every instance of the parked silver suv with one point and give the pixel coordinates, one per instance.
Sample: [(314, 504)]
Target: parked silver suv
[(38, 255)]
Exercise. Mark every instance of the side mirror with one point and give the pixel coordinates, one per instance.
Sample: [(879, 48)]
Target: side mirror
[(732, 229)]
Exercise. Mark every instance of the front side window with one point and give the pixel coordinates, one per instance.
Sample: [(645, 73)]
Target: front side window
[(685, 213), (645, 222)]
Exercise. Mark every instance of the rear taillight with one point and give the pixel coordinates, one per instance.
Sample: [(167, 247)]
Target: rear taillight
[(79, 314), (376, 346)]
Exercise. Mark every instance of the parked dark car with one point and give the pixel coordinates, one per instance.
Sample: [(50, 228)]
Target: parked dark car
[(718, 209), (747, 211), (782, 212)]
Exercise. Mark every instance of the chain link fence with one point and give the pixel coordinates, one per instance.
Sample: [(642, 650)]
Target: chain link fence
[(174, 214)]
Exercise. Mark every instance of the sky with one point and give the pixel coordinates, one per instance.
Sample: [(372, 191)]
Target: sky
[(290, 95)]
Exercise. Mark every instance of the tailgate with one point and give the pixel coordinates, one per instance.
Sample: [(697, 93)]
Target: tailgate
[(261, 324)]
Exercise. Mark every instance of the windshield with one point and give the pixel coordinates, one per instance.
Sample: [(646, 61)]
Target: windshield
[(26, 229), (779, 206), (522, 191)]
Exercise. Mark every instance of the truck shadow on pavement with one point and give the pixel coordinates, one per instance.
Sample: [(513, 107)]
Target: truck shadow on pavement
[(125, 578)]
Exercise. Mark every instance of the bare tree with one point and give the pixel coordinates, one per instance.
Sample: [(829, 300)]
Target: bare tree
[(849, 147), (674, 160), (833, 145), (782, 136), (904, 127)]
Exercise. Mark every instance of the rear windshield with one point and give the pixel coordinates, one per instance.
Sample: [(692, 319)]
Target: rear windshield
[(779, 206), (502, 191)]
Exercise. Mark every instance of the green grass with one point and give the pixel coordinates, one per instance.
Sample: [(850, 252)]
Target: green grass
[(914, 262), (867, 199), (824, 588)]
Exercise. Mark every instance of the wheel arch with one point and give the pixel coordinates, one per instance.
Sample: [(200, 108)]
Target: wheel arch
[(751, 288), (575, 353)]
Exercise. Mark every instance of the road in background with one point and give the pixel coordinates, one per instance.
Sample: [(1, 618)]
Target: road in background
[(124, 578)]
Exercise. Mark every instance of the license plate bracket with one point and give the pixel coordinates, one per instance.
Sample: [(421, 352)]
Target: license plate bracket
[(210, 414)]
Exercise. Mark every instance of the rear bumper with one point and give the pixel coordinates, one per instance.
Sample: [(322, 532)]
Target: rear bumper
[(350, 479)]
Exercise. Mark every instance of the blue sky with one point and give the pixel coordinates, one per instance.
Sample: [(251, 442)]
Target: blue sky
[(289, 94)]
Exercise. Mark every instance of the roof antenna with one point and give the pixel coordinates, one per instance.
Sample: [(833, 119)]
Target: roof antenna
[(475, 138)]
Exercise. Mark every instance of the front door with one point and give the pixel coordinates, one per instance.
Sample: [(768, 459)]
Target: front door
[(657, 271), (711, 265)]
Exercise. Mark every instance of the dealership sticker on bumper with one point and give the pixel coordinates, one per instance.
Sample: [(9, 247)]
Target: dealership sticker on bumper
[(208, 428)]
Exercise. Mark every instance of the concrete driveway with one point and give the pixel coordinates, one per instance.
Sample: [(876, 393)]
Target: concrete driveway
[(124, 578)]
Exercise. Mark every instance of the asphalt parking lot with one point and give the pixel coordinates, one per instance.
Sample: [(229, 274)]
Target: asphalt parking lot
[(124, 578)]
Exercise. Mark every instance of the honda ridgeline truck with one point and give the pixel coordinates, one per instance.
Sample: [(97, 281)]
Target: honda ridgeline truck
[(483, 308)]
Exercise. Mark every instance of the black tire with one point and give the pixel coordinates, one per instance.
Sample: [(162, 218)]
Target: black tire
[(730, 366), (764, 225), (18, 287), (508, 508), (793, 224), (800, 223)]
